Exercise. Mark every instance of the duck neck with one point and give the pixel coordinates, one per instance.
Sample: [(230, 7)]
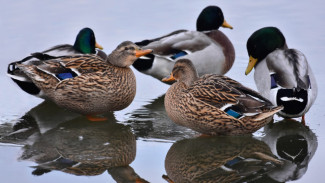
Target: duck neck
[(285, 46), (117, 60), (190, 80)]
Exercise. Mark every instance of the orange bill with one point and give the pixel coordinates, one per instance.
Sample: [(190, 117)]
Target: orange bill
[(140, 53), (168, 79)]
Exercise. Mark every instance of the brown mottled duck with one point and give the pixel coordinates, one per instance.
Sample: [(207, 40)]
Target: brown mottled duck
[(87, 84), (214, 104), (85, 44)]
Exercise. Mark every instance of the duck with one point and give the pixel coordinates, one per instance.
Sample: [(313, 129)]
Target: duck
[(214, 104), (85, 43), (295, 144), (86, 83), (282, 75), (219, 159), (209, 49)]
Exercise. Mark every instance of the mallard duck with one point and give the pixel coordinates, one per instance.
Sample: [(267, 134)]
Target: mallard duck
[(85, 43), (87, 84), (282, 75), (214, 104), (219, 159), (208, 48), (155, 124), (79, 147), (293, 143)]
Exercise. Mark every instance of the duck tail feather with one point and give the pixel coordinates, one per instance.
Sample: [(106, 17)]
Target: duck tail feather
[(265, 115)]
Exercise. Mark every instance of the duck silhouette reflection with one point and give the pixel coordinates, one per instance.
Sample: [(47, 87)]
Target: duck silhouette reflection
[(294, 144), (82, 147), (37, 121), (151, 121), (75, 145), (219, 159)]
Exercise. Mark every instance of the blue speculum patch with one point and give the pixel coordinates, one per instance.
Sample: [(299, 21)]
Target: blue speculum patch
[(233, 113), (179, 54), (273, 81), (63, 76), (233, 161)]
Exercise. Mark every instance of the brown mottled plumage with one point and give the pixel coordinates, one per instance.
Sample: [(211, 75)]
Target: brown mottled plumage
[(85, 44), (219, 159), (98, 86), (202, 103), (80, 147)]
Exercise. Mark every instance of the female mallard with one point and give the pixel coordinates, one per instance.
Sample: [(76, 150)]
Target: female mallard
[(85, 43), (208, 48), (281, 75), (219, 159), (88, 84), (214, 104)]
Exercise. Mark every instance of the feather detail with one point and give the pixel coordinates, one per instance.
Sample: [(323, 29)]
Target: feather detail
[(282, 75), (85, 83), (214, 104), (208, 48)]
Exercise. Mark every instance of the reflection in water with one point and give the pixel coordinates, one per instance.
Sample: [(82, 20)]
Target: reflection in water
[(219, 159), (80, 143), (77, 146), (47, 115), (294, 144), (151, 121), (60, 140), (36, 121)]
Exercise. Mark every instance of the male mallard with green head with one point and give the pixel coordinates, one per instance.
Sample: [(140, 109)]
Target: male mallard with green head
[(208, 48), (282, 75)]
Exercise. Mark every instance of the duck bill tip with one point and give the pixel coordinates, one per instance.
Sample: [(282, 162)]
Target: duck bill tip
[(98, 46), (168, 78), (140, 53), (226, 25)]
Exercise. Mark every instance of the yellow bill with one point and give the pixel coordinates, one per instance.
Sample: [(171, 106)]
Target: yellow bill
[(226, 25), (252, 62), (98, 46)]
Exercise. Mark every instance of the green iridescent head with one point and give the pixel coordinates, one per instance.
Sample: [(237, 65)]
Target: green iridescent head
[(261, 43), (86, 41)]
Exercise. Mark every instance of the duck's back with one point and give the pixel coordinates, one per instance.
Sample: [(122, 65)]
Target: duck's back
[(210, 52), (285, 78), (98, 92), (228, 48)]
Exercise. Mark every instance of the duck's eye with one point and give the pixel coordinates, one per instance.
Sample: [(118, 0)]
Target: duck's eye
[(128, 48)]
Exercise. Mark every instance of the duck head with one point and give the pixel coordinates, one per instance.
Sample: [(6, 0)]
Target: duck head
[(86, 41), (261, 43), (183, 71), (126, 53), (211, 18)]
